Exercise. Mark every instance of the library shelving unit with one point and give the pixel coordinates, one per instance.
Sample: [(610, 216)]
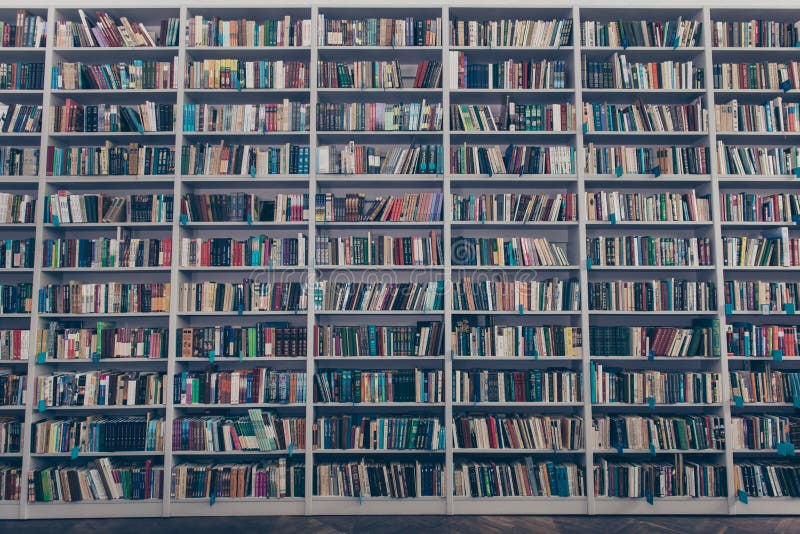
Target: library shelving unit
[(297, 166)]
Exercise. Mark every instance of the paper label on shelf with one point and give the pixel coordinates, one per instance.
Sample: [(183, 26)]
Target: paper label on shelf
[(619, 449), (212, 356), (789, 308), (652, 450), (41, 407), (95, 357), (796, 402), (184, 218), (291, 449), (742, 496), (786, 85), (56, 220), (651, 401), (76, 450), (651, 355), (212, 498), (777, 355), (738, 400), (728, 309), (41, 357), (589, 264), (649, 498), (656, 171), (618, 171), (521, 311), (613, 218), (765, 309), (796, 172)]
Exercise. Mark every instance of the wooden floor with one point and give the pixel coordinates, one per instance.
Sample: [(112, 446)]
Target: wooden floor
[(414, 524)]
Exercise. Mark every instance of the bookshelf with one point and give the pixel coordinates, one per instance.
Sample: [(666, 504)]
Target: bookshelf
[(281, 172)]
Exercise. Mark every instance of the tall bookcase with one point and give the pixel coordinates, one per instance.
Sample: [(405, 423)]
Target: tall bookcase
[(571, 235)]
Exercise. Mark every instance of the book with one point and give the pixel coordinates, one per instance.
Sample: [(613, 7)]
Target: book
[(411, 207), (247, 296), (761, 296), (649, 251), (254, 251), (667, 160), (107, 253), (659, 387), (515, 295), (699, 340), (662, 433), (518, 478), (757, 207), (244, 160), (238, 433), (619, 73), (110, 160), (772, 116), (364, 296), (509, 74), (545, 433), (147, 117), (22, 75), (764, 75), (515, 159), (376, 249), (551, 385), (17, 253), (365, 159), (241, 74), (16, 298), (230, 207), (68, 340), (648, 33), (66, 207), (106, 31), (20, 118), (755, 33), (366, 479), (641, 117), (617, 207), (651, 480), (507, 341), (30, 31), (14, 344), (263, 340), (762, 340), (507, 252), (379, 116), (513, 33), (353, 433), (425, 338)]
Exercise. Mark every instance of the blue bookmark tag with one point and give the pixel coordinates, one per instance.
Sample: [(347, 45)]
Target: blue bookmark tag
[(765, 309), (742, 496), (360, 498), (649, 498), (269, 264), (728, 309), (796, 172), (777, 355), (291, 449), (212, 498), (651, 355), (619, 449), (585, 127), (252, 171), (521, 311), (677, 42), (56, 220), (452, 355), (241, 355), (789, 448), (95, 357), (613, 218), (796, 402), (238, 83), (250, 218), (618, 171), (789, 308), (652, 450), (738, 400), (42, 406), (241, 308), (656, 171), (786, 85), (651, 401), (41, 357), (184, 218), (588, 264), (212, 356), (76, 450), (625, 43)]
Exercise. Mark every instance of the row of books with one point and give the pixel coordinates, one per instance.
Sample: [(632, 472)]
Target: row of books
[(266, 479), (515, 159), (425, 338), (507, 341), (516, 33), (407, 31), (98, 434), (247, 296), (641, 117), (518, 295), (385, 386), (701, 339), (244, 160), (247, 118), (371, 479), (773, 116), (376, 75), (108, 160), (764, 75), (513, 117), (67, 207), (619, 73), (14, 344), (99, 388), (764, 386), (17, 208), (510, 251), (242, 74), (10, 482), (16, 298), (650, 33), (756, 207), (67, 340), (111, 297), (620, 159), (379, 250), (651, 480), (609, 385), (755, 34), (106, 253), (652, 295), (762, 479), (551, 385), (636, 250), (147, 117), (354, 207), (21, 75), (659, 433), (19, 161), (12, 389), (518, 478), (774, 248), (243, 386), (105, 31), (230, 207), (379, 433), (514, 431), (379, 116), (762, 340), (263, 340), (98, 480), (761, 296), (218, 32), (362, 159), (259, 430), (375, 296), (138, 74), (10, 435), (509, 74), (513, 207), (616, 206), (20, 118), (27, 31), (764, 431), (17, 253), (255, 251)]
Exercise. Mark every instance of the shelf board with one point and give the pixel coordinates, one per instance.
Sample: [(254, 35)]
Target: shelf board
[(520, 505), (107, 408), (284, 452), (657, 268), (243, 268), (234, 313), (654, 313), (660, 451), (105, 91), (494, 405), (379, 405), (268, 405), (378, 452), (106, 508), (376, 359), (460, 451), (514, 312), (662, 505), (379, 267), (103, 314), (379, 312), (164, 269), (235, 359), (94, 454)]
